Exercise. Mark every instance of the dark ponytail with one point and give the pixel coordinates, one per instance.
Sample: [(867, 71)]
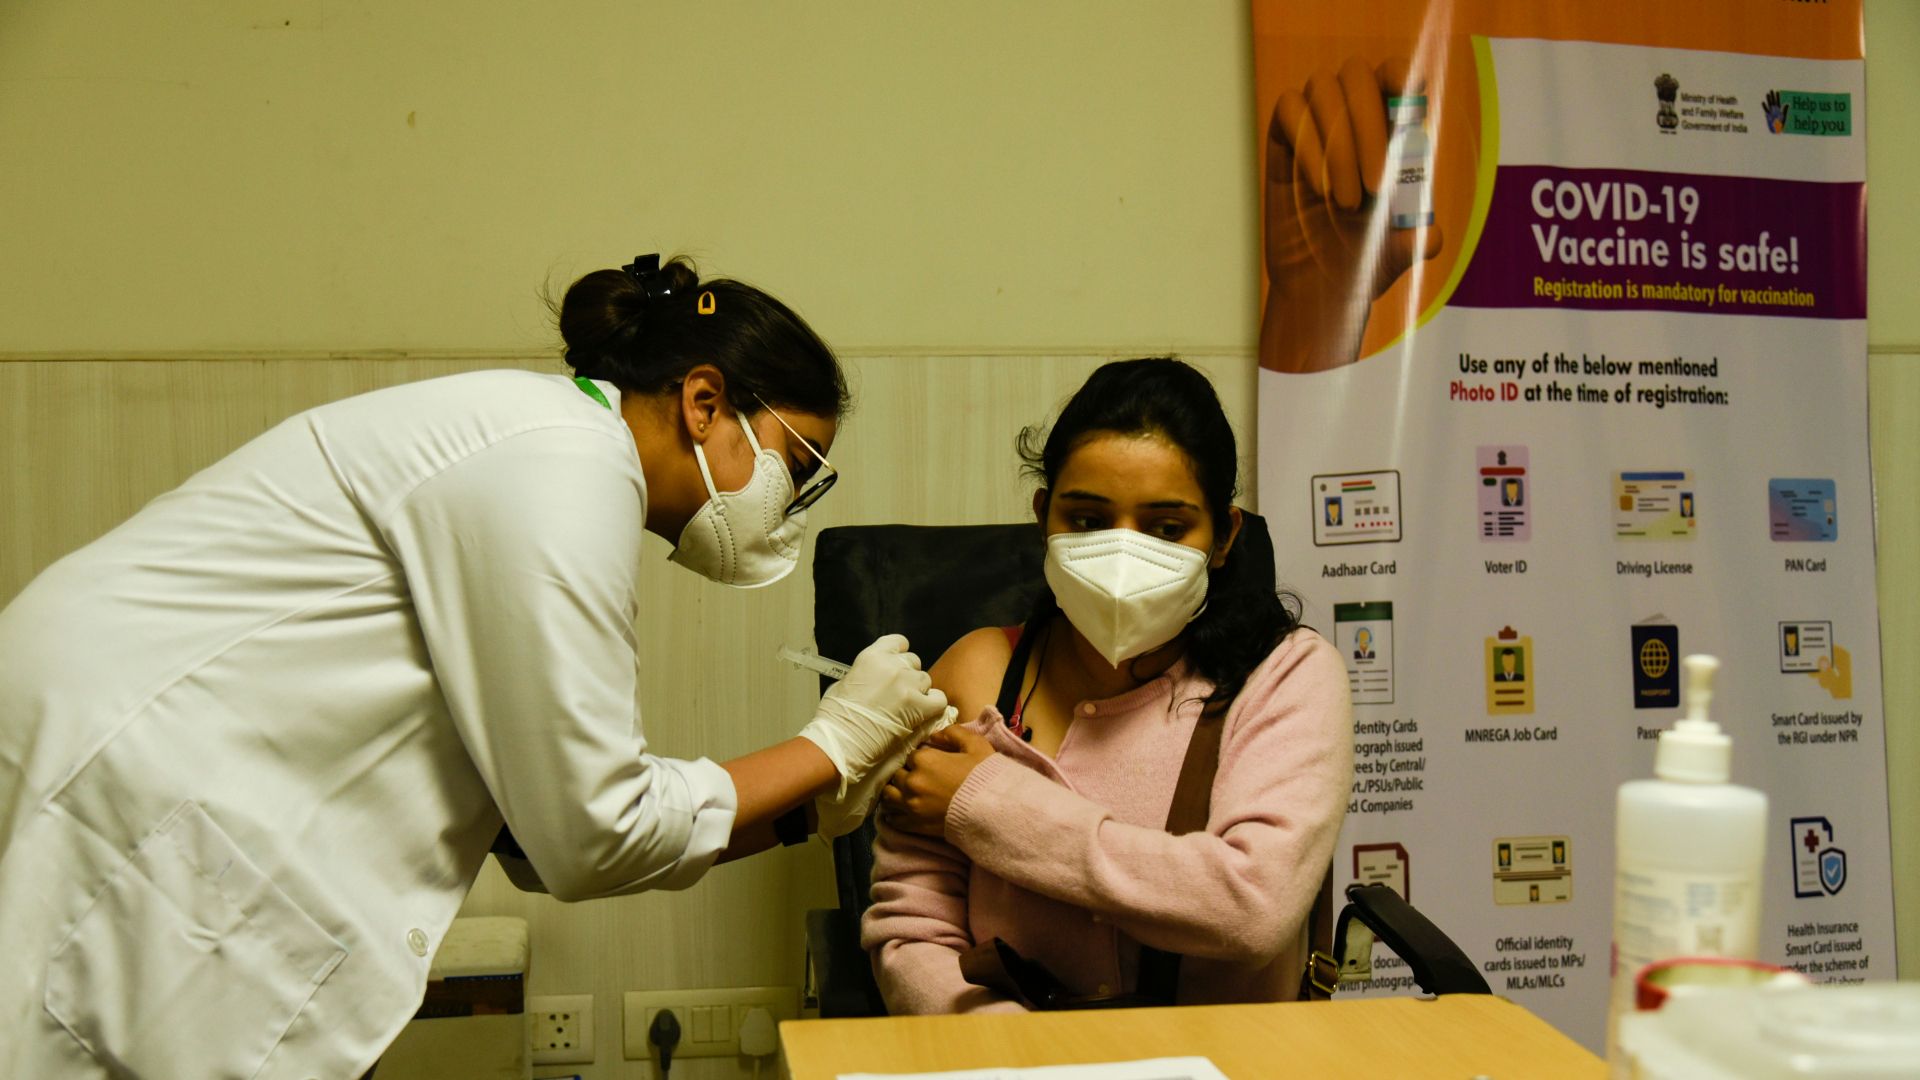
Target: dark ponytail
[(1246, 615), (643, 329)]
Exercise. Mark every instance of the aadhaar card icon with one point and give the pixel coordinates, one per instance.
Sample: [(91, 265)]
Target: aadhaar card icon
[(1509, 669), (1356, 508), (1505, 498), (1532, 870), (1364, 635)]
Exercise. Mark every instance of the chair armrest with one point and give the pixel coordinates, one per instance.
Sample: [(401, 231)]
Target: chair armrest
[(839, 970), (1439, 967)]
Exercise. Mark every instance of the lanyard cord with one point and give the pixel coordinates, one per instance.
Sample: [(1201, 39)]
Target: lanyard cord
[(586, 386)]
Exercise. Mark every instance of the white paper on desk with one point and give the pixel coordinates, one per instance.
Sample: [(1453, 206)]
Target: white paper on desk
[(1186, 1068)]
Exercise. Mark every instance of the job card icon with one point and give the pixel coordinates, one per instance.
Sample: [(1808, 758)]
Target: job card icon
[(1364, 635), (1509, 668), (1801, 510), (1356, 508), (1505, 512)]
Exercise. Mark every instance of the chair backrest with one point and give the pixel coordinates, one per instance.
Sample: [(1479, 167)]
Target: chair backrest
[(934, 584)]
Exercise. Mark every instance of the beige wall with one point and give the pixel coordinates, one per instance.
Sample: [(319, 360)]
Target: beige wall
[(218, 214)]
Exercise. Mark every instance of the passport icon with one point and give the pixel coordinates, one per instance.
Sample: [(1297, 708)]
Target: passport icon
[(1656, 664)]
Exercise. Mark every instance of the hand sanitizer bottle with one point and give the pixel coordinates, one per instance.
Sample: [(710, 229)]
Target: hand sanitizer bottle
[(1689, 848)]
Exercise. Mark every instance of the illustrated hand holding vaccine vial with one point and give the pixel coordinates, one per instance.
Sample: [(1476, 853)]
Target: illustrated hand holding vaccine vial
[(1410, 156)]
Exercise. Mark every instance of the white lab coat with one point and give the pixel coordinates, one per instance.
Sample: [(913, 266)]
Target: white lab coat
[(256, 742)]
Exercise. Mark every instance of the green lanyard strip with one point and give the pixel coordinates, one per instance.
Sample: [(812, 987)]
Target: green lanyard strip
[(592, 391)]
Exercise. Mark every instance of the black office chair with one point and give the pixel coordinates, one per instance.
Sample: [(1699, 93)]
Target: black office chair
[(935, 584)]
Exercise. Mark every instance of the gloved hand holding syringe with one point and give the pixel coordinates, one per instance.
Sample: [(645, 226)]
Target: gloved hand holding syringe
[(865, 744)]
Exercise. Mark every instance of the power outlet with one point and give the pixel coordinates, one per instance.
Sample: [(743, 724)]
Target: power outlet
[(709, 1019), (561, 1029)]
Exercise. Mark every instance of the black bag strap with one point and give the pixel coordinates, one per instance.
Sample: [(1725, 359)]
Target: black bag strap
[(1159, 980)]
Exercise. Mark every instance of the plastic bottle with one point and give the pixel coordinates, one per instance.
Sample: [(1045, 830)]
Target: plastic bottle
[(1689, 850), (1410, 203)]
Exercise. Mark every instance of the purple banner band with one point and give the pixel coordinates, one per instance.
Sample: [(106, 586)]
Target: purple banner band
[(1597, 239)]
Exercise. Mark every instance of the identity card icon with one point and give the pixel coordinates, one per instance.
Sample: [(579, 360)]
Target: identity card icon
[(1364, 635), (1656, 664), (1356, 508), (1819, 868), (1806, 646), (1509, 669), (1801, 510), (1654, 505), (1505, 493), (1382, 864), (1532, 870)]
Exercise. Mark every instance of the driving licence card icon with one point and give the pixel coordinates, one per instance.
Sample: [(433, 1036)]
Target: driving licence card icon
[(1654, 505), (1356, 508), (1505, 499), (1801, 510)]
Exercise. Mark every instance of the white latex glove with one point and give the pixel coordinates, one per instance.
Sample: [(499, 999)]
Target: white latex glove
[(840, 816), (864, 718)]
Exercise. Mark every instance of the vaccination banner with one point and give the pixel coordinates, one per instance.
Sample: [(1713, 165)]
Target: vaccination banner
[(1564, 377)]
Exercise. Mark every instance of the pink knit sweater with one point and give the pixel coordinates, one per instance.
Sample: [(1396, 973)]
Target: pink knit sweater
[(1068, 859)]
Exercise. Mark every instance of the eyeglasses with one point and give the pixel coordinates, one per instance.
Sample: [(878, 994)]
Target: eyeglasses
[(820, 482)]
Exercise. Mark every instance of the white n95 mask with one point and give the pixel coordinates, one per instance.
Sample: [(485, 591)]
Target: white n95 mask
[(744, 538), (1126, 592)]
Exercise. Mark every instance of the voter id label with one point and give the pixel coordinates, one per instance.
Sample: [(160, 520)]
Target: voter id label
[(1654, 504), (1801, 510), (1356, 508), (1505, 499)]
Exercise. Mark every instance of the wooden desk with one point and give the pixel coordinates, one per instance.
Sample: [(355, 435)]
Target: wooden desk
[(1452, 1038)]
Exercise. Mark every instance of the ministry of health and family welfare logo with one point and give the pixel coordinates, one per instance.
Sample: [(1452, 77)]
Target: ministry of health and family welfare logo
[(1776, 111), (1667, 89)]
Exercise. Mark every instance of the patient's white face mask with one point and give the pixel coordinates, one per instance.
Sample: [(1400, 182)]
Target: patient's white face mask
[(1126, 592), (744, 538)]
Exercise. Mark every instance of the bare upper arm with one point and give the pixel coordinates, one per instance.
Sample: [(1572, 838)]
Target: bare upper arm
[(971, 669)]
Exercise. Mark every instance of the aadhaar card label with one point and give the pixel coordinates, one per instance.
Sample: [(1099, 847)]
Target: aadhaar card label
[(1356, 508), (1654, 505)]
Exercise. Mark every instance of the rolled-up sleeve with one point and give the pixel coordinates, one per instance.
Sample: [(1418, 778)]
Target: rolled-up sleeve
[(521, 561)]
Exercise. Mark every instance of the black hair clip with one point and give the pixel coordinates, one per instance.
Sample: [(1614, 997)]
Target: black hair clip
[(645, 272)]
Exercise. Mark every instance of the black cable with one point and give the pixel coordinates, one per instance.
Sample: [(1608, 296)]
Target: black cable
[(664, 1034)]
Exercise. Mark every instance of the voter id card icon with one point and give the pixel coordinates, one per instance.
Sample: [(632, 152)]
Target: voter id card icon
[(1801, 510), (1656, 664), (1356, 508), (1509, 669), (1506, 497), (1819, 868), (1532, 870), (1364, 635), (1383, 864), (1654, 505)]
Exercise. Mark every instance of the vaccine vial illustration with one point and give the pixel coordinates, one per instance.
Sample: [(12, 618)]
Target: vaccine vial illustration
[(1411, 153)]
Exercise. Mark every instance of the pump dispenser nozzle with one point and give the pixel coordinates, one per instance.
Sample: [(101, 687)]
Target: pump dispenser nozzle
[(1695, 749)]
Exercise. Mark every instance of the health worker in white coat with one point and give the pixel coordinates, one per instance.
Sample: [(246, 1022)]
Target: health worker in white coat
[(256, 742)]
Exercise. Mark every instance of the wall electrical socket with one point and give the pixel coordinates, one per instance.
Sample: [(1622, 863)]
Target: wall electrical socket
[(709, 1019), (560, 1029)]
